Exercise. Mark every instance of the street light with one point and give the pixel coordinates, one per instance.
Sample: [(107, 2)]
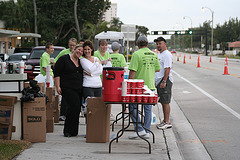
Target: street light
[(191, 28), (212, 28)]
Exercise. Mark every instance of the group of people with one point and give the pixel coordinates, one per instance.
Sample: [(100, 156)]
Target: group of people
[(77, 74)]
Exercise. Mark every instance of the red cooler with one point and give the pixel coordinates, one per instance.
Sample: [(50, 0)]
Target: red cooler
[(112, 84)]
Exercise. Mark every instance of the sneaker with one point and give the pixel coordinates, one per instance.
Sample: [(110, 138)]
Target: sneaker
[(146, 136), (134, 134), (164, 125), (62, 118)]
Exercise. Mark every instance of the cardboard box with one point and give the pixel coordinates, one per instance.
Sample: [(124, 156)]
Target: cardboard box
[(34, 120), (98, 121), (5, 132), (6, 115), (40, 84), (49, 111), (50, 125), (50, 92), (56, 103), (56, 116), (7, 100)]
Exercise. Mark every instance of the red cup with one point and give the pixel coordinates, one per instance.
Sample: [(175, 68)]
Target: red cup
[(134, 91), (155, 98), (124, 98), (127, 98), (128, 84), (151, 99), (133, 83), (140, 83), (132, 98), (139, 98), (145, 98), (139, 91), (129, 91)]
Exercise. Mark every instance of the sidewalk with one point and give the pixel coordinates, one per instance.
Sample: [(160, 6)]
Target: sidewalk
[(75, 148)]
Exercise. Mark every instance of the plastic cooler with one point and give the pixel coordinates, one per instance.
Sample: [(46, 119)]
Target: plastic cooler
[(112, 84)]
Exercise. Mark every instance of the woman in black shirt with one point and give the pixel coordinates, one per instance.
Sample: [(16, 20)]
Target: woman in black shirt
[(68, 77)]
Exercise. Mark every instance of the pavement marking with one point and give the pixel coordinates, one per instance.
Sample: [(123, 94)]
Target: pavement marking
[(210, 96)]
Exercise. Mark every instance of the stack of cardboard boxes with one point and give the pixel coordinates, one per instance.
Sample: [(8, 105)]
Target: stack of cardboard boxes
[(6, 116), (38, 116), (34, 120)]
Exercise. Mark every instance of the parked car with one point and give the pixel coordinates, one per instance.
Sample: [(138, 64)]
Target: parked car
[(33, 62), (4, 56), (22, 50), (16, 58)]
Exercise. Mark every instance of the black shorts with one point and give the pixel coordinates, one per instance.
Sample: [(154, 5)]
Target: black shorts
[(165, 93)]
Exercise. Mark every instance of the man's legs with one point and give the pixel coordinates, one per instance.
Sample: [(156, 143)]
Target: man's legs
[(166, 112), (148, 117)]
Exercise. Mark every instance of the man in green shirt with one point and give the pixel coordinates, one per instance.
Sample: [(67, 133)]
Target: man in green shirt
[(71, 44), (118, 59), (144, 63), (45, 59)]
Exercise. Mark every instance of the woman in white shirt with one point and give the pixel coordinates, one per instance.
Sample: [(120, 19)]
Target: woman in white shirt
[(92, 83)]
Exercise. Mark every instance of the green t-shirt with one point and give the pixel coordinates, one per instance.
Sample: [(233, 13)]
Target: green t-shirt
[(62, 53), (118, 60), (145, 63), (100, 57), (44, 62)]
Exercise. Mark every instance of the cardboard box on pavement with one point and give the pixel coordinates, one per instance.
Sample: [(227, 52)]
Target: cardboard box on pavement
[(50, 125), (7, 100), (50, 92), (5, 131), (34, 120), (6, 115), (98, 121), (40, 84)]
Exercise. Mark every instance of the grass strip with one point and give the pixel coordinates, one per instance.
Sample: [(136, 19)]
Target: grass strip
[(12, 148)]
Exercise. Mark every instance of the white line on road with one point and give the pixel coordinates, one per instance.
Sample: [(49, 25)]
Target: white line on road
[(210, 96)]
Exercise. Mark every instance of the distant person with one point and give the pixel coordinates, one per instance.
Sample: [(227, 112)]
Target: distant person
[(81, 41), (102, 53), (45, 59), (72, 42), (92, 84), (144, 63), (164, 81), (68, 78), (118, 60)]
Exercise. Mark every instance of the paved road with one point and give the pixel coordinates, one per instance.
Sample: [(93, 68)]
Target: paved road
[(210, 102)]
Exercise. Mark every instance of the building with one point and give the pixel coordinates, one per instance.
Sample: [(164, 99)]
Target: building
[(110, 13)]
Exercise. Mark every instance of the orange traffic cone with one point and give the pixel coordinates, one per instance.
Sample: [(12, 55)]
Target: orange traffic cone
[(184, 62), (179, 54), (210, 59), (198, 64), (226, 67), (190, 57)]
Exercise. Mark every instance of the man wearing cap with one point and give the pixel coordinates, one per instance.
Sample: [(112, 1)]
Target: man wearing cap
[(164, 81), (118, 59), (144, 63)]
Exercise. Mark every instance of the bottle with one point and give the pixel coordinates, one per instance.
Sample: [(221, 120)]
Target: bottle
[(153, 119), (21, 67)]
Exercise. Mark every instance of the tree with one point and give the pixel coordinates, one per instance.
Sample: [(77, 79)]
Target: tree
[(115, 24), (141, 30), (35, 21)]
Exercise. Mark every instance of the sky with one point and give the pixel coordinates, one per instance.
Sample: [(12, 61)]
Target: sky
[(159, 15)]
